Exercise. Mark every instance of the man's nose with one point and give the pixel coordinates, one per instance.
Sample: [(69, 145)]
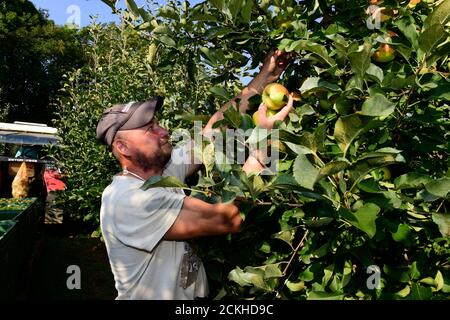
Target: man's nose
[(163, 133)]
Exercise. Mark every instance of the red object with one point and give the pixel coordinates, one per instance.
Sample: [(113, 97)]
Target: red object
[(53, 181)]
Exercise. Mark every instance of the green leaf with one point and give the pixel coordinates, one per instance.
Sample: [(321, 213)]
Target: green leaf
[(377, 106), (404, 292), (110, 3), (219, 91), (316, 49), (304, 172), (346, 129), (316, 84), (443, 222), (285, 235), (295, 286), (240, 277), (439, 187), (409, 30), (439, 280), (440, 15), (133, 8), (363, 219), (431, 37), (440, 92), (362, 167), (321, 295), (168, 41), (402, 234), (411, 180), (376, 72), (272, 271), (360, 60), (235, 7), (246, 11), (419, 292), (333, 167), (284, 180), (233, 116), (162, 182)]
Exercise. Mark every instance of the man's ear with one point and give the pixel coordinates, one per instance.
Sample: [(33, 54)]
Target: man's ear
[(121, 147)]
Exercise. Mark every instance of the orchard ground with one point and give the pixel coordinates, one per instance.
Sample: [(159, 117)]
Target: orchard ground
[(58, 247)]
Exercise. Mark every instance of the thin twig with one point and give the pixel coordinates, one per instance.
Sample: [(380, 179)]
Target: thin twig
[(295, 252)]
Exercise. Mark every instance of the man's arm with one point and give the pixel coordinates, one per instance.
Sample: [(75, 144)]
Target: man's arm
[(199, 218), (256, 159), (273, 66)]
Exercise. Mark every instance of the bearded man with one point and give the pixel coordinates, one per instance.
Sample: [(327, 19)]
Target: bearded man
[(147, 233)]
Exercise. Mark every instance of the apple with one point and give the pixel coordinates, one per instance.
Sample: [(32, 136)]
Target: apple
[(384, 54), (325, 104), (385, 174), (275, 96), (413, 3), (382, 174), (269, 113)]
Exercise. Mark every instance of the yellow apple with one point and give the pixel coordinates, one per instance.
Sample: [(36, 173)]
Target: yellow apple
[(275, 96)]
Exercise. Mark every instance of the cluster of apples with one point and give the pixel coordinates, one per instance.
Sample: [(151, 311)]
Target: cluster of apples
[(275, 96)]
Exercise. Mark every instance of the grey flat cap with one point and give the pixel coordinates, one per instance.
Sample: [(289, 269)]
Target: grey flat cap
[(128, 116)]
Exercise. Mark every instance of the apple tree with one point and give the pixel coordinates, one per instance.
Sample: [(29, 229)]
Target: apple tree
[(358, 207)]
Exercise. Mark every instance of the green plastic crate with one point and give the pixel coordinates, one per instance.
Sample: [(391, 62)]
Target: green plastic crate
[(10, 257), (5, 226), (9, 214)]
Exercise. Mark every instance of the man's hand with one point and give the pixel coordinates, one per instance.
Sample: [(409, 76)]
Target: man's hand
[(274, 64), (267, 122)]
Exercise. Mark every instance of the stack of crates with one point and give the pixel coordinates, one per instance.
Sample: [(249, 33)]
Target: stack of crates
[(18, 231)]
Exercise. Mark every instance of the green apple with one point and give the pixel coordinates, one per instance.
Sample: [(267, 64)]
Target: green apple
[(275, 96), (269, 113), (385, 174)]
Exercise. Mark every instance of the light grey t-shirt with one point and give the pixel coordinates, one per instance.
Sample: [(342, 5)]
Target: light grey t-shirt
[(133, 223)]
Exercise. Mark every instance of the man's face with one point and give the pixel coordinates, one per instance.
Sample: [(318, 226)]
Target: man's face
[(148, 146)]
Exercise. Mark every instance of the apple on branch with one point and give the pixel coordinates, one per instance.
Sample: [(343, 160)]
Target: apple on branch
[(275, 96)]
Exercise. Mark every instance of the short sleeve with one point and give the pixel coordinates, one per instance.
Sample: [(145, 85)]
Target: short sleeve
[(146, 216)]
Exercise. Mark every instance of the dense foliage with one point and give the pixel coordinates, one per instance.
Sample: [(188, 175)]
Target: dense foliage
[(359, 206)]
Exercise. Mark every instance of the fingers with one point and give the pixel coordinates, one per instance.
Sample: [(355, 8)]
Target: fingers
[(262, 108), (284, 58), (282, 114), (262, 117)]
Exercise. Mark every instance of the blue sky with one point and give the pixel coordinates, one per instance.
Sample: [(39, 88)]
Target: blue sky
[(63, 11)]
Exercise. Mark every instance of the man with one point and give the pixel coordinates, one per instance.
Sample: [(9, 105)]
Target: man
[(147, 232)]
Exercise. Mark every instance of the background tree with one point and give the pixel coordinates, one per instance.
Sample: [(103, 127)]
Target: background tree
[(34, 54)]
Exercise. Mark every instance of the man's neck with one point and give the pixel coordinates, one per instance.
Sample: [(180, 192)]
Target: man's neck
[(145, 175)]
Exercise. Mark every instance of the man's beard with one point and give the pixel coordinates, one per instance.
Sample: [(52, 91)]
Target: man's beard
[(158, 161)]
